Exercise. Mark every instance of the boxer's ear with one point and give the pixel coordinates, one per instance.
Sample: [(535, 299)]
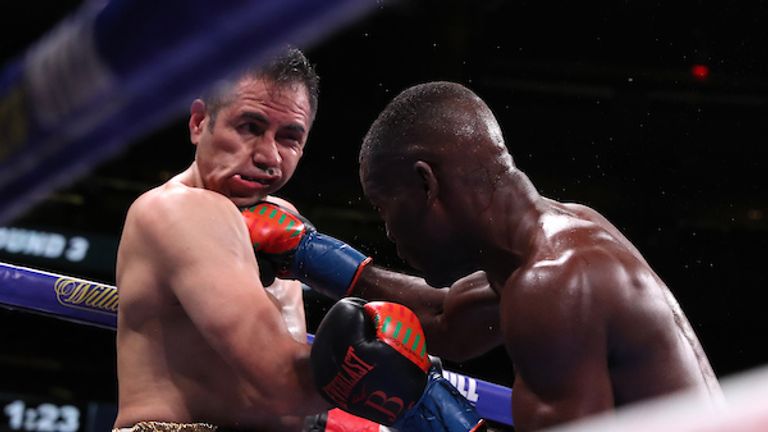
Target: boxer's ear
[(428, 180), (197, 115)]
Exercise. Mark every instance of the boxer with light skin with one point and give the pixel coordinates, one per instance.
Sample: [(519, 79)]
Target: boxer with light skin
[(199, 338), (202, 341)]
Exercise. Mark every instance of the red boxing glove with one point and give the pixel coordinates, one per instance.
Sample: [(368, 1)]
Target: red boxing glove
[(337, 420), (295, 250)]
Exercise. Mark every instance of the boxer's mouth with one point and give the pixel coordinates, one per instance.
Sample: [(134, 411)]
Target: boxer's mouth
[(263, 181)]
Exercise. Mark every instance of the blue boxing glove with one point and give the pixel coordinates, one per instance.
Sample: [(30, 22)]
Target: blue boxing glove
[(295, 250), (370, 360), (441, 408)]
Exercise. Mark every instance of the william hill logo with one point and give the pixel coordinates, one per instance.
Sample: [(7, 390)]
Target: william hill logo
[(86, 295)]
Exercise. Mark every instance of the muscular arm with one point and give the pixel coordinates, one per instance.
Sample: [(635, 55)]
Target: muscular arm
[(460, 322), (200, 242), (556, 336)]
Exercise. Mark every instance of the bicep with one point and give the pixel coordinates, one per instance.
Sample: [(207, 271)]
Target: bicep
[(565, 373), (222, 299), (212, 272)]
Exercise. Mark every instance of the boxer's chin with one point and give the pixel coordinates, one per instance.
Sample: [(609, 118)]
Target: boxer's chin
[(243, 202)]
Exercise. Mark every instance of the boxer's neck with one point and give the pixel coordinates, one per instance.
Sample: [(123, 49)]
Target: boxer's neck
[(509, 225)]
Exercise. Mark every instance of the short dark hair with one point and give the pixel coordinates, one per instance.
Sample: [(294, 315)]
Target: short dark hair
[(416, 116), (441, 123), (290, 66)]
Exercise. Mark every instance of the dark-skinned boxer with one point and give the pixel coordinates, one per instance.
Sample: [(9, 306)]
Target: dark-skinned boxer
[(588, 325)]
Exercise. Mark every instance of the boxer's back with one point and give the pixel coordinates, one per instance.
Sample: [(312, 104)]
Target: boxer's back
[(166, 369)]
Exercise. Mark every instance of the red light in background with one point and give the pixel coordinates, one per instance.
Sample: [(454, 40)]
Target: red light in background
[(700, 72)]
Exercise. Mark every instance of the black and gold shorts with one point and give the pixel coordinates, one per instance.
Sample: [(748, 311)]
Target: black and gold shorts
[(152, 426)]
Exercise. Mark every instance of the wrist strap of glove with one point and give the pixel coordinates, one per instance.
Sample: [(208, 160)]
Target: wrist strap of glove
[(441, 409), (327, 265)]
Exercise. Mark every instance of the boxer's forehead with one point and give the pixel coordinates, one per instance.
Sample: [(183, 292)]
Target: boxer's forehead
[(371, 187), (378, 185), (382, 172), (287, 100)]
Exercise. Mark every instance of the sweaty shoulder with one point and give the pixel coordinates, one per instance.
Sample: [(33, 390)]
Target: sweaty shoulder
[(578, 253), (172, 220), (601, 221), (173, 205), (577, 277)]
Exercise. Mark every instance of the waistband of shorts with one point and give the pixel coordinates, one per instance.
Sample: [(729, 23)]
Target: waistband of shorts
[(153, 426)]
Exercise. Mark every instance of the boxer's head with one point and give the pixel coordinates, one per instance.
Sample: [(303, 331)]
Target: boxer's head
[(429, 163), (250, 131)]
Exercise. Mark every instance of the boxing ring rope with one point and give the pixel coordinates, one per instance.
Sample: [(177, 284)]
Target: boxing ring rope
[(95, 304), (114, 70)]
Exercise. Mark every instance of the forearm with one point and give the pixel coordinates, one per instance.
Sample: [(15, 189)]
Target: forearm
[(460, 322), (376, 283), (288, 389), (308, 399)]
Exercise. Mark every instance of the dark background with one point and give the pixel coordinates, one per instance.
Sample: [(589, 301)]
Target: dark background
[(598, 105)]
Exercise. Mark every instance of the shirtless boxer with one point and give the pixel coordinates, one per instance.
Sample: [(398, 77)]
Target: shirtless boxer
[(201, 343), (198, 337), (587, 323)]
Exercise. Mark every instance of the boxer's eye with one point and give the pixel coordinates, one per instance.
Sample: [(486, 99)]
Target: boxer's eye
[(251, 128), (290, 140)]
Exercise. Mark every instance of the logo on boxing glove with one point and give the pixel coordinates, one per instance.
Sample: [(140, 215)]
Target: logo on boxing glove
[(352, 370), (369, 359)]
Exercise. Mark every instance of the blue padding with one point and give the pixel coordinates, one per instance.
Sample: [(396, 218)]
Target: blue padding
[(64, 297)]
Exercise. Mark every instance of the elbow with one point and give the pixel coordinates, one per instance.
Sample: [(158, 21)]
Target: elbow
[(293, 401), (459, 357), (453, 352), (279, 398), (289, 389), (462, 347), (284, 404), (448, 344)]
